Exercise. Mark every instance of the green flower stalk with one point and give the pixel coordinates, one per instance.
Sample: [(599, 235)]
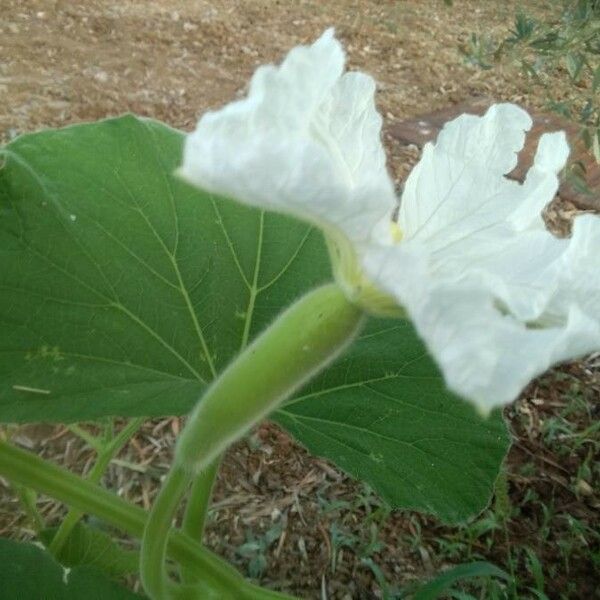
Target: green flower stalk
[(301, 342)]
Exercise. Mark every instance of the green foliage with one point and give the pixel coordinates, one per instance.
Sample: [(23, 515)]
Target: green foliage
[(95, 548), (382, 413), (256, 547), (26, 570), (124, 292), (123, 289), (534, 566), (364, 541), (479, 50), (562, 45), (439, 586)]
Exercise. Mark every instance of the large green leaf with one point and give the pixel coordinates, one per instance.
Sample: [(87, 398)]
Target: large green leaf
[(382, 413), (123, 291), (29, 573)]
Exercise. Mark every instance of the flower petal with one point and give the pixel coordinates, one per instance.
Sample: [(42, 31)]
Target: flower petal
[(541, 183), (493, 236), (495, 296), (577, 269), (486, 354), (458, 186), (306, 141), (518, 259), (355, 131)]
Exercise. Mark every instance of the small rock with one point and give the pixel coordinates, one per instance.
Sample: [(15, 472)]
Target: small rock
[(101, 76)]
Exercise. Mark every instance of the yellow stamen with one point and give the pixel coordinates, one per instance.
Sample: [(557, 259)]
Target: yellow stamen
[(396, 232)]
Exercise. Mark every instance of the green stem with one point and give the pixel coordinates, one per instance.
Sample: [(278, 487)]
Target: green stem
[(154, 547), (300, 342), (196, 510), (91, 440), (194, 519), (106, 452), (26, 469), (28, 499)]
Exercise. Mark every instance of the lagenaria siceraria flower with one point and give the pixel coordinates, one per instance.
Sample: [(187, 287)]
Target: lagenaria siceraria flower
[(495, 296)]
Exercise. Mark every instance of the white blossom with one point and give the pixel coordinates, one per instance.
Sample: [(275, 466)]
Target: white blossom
[(495, 296)]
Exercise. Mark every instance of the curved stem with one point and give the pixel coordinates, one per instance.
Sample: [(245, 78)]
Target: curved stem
[(297, 345), (196, 510), (105, 455), (26, 469), (194, 519), (300, 342), (154, 547)]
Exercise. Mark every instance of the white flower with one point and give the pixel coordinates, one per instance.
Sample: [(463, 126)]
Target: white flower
[(495, 296)]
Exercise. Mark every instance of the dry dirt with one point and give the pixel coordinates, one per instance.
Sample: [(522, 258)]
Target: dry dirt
[(64, 62)]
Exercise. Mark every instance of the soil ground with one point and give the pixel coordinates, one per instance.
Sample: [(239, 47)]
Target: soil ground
[(289, 520)]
